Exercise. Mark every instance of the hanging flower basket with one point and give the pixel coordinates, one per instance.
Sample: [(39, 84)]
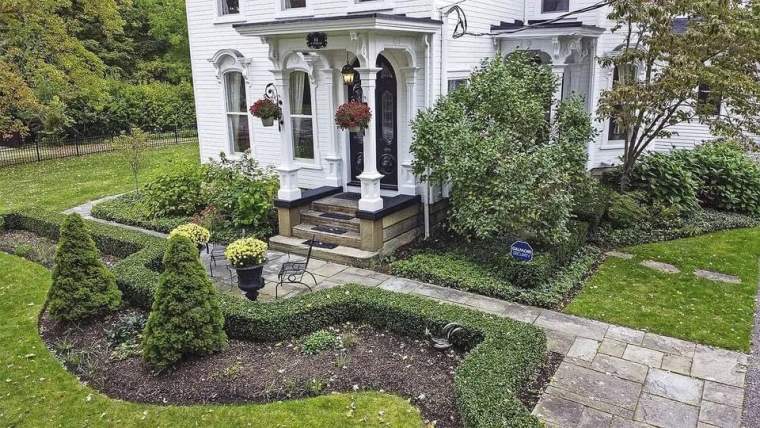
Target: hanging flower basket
[(353, 116), (267, 110)]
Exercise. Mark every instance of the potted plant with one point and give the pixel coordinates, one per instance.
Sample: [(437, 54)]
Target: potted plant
[(247, 256), (196, 233), (353, 115), (267, 110)]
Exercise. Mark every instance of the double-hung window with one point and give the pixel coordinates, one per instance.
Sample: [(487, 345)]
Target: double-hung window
[(236, 111), (229, 7), (293, 4), (301, 118), (550, 6), (623, 74), (708, 102)]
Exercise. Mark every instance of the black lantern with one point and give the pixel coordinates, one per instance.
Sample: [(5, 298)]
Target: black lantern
[(348, 74)]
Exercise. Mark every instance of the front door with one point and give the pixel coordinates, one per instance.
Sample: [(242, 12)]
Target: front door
[(386, 127)]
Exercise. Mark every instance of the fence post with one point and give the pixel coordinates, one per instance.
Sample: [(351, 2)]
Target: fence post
[(76, 143), (37, 146), (176, 136)]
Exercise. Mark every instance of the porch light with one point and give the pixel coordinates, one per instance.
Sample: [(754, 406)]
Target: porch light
[(348, 74)]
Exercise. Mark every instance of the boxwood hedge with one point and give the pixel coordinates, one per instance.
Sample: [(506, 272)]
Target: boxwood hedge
[(503, 354)]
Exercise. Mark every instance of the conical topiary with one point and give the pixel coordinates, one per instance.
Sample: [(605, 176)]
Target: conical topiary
[(186, 317), (82, 285)]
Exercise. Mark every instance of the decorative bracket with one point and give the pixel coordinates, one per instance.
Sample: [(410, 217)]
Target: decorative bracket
[(271, 93)]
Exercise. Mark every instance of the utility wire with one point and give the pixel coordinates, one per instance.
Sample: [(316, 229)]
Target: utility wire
[(460, 29)]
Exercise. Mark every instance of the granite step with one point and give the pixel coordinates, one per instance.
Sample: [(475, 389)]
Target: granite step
[(321, 218), (347, 238), (335, 204), (340, 254)]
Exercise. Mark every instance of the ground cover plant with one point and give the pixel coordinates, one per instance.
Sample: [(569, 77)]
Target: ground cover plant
[(37, 391), (57, 185), (680, 305), (502, 354)]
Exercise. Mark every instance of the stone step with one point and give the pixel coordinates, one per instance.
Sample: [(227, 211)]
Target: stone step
[(321, 218), (334, 204), (348, 238), (340, 254)]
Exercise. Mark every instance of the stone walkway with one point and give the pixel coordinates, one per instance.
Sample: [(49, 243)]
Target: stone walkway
[(611, 376)]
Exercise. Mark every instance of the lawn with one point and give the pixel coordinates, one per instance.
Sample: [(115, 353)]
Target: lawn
[(680, 305), (36, 391), (56, 185)]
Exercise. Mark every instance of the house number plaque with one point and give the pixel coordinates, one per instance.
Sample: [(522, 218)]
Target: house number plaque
[(316, 40)]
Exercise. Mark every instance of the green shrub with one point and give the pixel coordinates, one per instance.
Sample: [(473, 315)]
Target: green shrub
[(728, 179), (185, 318), (131, 209), (591, 201), (82, 286), (177, 192), (664, 178), (320, 340), (625, 210)]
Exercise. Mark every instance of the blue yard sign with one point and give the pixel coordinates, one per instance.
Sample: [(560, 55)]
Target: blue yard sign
[(522, 251)]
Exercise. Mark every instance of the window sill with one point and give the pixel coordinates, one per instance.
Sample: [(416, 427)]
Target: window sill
[(613, 145), (370, 6), (300, 12), (305, 164), (236, 18)]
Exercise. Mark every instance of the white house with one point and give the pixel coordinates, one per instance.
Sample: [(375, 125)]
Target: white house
[(405, 55)]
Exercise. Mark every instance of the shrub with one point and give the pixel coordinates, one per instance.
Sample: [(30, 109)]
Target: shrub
[(625, 210), (246, 252), (591, 201), (664, 178), (185, 318), (728, 179), (197, 234), (132, 209), (320, 340), (82, 286), (176, 192)]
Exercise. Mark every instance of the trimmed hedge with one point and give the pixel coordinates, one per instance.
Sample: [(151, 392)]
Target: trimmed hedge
[(132, 210), (503, 354), (455, 270)]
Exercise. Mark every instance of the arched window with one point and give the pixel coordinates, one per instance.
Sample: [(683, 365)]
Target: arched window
[(301, 118), (236, 110), (622, 75)]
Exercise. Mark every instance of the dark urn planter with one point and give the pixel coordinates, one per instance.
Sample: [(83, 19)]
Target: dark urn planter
[(250, 280), (267, 121)]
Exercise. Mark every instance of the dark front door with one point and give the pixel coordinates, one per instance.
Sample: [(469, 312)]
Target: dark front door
[(386, 127)]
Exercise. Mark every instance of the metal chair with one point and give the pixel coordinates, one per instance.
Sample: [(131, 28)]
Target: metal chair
[(293, 272)]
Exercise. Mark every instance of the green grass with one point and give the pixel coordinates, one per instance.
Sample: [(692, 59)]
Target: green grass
[(680, 305), (56, 185), (36, 391)]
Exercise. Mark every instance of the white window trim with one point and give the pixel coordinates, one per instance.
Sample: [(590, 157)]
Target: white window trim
[(542, 12), (316, 162), (357, 6), (280, 12), (227, 114), (230, 18)]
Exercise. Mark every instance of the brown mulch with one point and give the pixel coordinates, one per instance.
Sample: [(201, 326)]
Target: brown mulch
[(37, 248)]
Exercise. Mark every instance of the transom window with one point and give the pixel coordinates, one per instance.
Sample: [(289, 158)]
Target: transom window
[(301, 117), (236, 111), (229, 7), (293, 4), (708, 102), (623, 74), (549, 6)]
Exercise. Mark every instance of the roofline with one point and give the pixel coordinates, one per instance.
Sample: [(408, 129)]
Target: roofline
[(549, 31), (358, 22)]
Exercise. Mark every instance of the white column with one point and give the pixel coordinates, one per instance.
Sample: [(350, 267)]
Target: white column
[(370, 177), (287, 169), (408, 182), (334, 175), (559, 73)]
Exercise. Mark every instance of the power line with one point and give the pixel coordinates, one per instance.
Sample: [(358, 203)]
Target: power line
[(460, 29)]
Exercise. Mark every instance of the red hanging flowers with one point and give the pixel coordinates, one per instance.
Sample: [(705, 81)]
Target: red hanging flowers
[(353, 115)]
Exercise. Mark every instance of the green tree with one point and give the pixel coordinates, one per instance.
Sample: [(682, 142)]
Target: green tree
[(186, 318), (82, 285), (660, 70), (511, 170), (133, 146)]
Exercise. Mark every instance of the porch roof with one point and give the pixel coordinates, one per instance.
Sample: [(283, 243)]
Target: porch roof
[(536, 29), (358, 22)]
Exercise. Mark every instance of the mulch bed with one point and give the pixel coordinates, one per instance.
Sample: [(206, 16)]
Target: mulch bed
[(36, 248)]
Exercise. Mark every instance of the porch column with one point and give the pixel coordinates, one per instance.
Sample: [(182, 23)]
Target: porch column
[(334, 173), (370, 177), (408, 182), (287, 169), (559, 72)]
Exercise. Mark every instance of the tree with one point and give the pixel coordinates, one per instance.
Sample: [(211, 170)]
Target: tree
[(668, 74), (511, 171), (134, 145), (185, 317), (82, 285)]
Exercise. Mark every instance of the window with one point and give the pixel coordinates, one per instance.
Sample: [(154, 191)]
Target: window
[(623, 74), (300, 115), (229, 7), (549, 6), (708, 103), (455, 83), (237, 114), (294, 4)]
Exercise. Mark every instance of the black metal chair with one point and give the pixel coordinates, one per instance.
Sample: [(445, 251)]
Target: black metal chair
[(293, 272)]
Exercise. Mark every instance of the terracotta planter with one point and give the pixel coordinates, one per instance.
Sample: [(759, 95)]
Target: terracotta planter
[(267, 121), (250, 280)]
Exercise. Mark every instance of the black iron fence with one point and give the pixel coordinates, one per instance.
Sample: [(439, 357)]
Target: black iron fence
[(46, 147)]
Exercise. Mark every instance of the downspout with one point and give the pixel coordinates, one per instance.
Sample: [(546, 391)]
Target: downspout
[(525, 12), (428, 86)]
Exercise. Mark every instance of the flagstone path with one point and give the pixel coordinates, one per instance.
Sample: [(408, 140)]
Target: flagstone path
[(611, 376)]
